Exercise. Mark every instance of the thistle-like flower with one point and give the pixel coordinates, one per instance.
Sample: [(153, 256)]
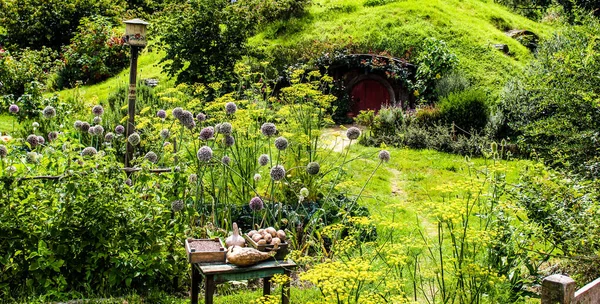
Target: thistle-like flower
[(268, 129), (204, 154), (98, 130), (119, 129), (187, 119), (278, 172), (177, 205), (49, 112), (257, 177), (134, 139), (52, 135), (384, 156), (13, 109), (98, 110), (32, 140), (92, 130), (97, 120), (78, 124), (263, 160), (201, 117), (281, 143), (228, 141), (109, 137), (207, 133), (226, 160), (84, 127), (3, 151), (177, 112), (152, 157), (89, 151), (230, 108), (41, 140), (161, 114), (353, 133), (164, 133), (256, 204), (313, 168), (225, 128)]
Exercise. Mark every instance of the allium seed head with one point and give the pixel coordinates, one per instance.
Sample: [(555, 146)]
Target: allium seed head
[(109, 137), (228, 141), (92, 130), (32, 140), (192, 179), (277, 172), (207, 133), (257, 177), (177, 205), (164, 133), (41, 140), (89, 151), (187, 119), (128, 182), (119, 129), (263, 160), (161, 114), (78, 124), (49, 112), (98, 110), (152, 157), (226, 160), (35, 124), (97, 120), (201, 117), (177, 112), (225, 128), (313, 168), (268, 129), (256, 204), (281, 143), (98, 130), (13, 109), (353, 133), (84, 127), (134, 139), (204, 154), (230, 108), (304, 192), (384, 156), (52, 135), (33, 157), (3, 151)]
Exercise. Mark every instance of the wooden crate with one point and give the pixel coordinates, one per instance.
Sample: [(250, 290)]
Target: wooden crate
[(282, 251), (205, 256)]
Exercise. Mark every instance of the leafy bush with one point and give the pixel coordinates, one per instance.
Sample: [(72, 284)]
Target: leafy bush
[(34, 24), (19, 69), (453, 82), (552, 107), (272, 10), (96, 53), (434, 60), (388, 121), (468, 110)]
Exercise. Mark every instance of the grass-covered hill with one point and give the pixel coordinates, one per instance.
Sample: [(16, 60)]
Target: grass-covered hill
[(469, 27)]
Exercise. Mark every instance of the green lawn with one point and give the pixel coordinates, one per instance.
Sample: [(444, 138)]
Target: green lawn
[(6, 123)]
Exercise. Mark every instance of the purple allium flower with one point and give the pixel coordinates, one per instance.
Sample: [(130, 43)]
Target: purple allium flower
[(3, 151), (78, 124), (98, 130), (177, 112), (41, 140), (353, 133), (204, 154), (187, 119), (152, 157), (92, 130), (225, 128), (257, 177), (192, 179), (256, 204), (263, 160), (228, 140), (13, 109), (281, 143), (177, 205), (109, 137), (49, 112), (384, 156), (84, 127), (97, 110), (268, 129), (207, 133), (226, 160), (134, 139), (32, 140), (230, 108), (161, 114), (89, 151), (201, 117), (164, 133), (128, 182), (313, 168), (97, 120), (119, 129), (277, 172), (52, 135)]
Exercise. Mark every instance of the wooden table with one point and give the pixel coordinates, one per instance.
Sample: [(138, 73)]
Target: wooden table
[(220, 273)]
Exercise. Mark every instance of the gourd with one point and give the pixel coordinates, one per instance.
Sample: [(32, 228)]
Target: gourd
[(235, 239), (247, 256)]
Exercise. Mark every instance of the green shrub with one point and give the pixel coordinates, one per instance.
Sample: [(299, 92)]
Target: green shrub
[(451, 83), (96, 53), (19, 69), (468, 110), (266, 11), (435, 59), (427, 116), (388, 121)]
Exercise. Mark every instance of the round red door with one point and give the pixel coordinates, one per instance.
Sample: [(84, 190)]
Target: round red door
[(369, 94)]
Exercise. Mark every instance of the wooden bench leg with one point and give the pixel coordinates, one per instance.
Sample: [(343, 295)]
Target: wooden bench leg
[(266, 286), (285, 289), (196, 279), (210, 289)]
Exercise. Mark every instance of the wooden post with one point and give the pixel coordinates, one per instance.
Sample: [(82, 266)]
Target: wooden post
[(131, 97), (558, 289), (266, 286)]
